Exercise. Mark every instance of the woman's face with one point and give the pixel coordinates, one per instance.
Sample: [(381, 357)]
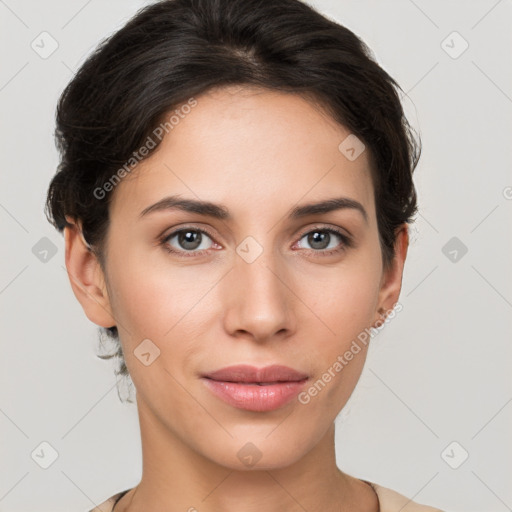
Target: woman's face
[(261, 286)]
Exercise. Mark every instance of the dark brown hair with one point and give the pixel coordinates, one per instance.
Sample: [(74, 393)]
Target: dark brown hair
[(173, 50)]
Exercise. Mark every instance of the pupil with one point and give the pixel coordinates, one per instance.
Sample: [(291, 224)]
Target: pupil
[(186, 239), (319, 238)]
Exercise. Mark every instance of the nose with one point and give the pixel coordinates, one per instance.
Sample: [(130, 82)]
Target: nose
[(258, 300)]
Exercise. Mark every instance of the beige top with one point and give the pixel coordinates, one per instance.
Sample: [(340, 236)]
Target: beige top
[(389, 501)]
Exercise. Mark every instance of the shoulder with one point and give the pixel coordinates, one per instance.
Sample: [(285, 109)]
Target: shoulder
[(392, 501), (109, 503)]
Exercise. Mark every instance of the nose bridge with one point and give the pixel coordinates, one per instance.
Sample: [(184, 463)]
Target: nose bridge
[(260, 301)]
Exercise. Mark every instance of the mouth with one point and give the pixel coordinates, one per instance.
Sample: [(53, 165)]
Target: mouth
[(256, 383), (252, 389), (245, 373), (242, 383)]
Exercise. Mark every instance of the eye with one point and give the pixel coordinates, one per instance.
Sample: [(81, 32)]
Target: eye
[(192, 241), (187, 240), (322, 240)]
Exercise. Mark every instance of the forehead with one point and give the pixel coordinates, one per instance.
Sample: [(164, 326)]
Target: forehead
[(247, 146)]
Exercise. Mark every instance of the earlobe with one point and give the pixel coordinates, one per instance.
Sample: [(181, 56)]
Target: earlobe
[(86, 276), (391, 283)]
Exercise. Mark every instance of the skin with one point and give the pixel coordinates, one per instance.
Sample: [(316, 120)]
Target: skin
[(259, 153)]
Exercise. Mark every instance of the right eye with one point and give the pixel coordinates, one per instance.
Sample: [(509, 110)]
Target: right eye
[(187, 240)]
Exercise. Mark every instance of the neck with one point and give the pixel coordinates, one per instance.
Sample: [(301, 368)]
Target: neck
[(176, 477)]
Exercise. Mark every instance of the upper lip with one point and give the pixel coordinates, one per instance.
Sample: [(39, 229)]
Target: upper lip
[(248, 373)]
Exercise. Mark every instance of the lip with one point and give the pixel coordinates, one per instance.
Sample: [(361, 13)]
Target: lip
[(256, 389), (248, 373)]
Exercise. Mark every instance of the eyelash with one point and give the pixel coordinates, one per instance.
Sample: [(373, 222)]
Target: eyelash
[(347, 242)]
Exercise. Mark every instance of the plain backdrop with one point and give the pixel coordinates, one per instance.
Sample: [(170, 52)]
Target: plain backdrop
[(436, 387)]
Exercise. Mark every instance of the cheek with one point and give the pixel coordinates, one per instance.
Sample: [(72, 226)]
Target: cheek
[(155, 300), (346, 299), (169, 306), (339, 332), (161, 305)]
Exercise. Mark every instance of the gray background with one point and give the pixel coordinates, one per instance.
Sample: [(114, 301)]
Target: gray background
[(438, 373)]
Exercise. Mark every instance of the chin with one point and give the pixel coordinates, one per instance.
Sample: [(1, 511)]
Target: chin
[(257, 455)]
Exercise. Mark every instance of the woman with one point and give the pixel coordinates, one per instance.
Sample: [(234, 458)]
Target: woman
[(234, 190)]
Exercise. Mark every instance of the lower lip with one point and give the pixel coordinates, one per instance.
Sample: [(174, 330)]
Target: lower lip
[(253, 397)]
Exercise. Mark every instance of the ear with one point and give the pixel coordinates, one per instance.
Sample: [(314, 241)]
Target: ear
[(391, 282), (86, 276)]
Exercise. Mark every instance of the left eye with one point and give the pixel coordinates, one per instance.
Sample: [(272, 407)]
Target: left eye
[(320, 239)]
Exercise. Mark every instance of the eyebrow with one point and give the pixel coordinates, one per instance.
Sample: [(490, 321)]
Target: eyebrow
[(220, 212)]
